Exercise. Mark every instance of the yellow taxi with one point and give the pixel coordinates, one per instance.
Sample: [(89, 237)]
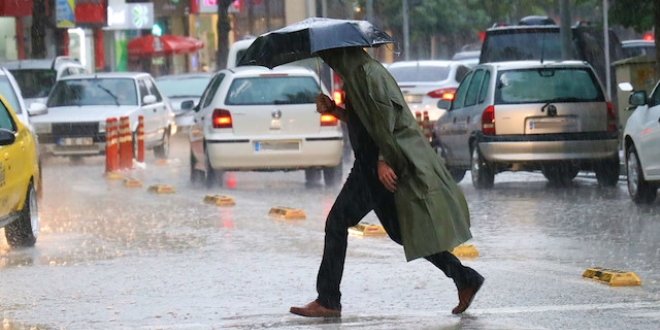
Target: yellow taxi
[(19, 180)]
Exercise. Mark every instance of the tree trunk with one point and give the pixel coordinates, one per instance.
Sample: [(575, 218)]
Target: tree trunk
[(656, 37), (38, 30), (223, 28)]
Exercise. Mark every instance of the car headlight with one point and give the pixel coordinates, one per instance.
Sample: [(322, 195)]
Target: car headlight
[(43, 128), (102, 126)]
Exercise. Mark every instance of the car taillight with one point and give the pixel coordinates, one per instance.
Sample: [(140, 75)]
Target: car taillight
[(328, 120), (442, 93), (221, 118), (488, 121), (337, 92), (611, 118), (338, 97)]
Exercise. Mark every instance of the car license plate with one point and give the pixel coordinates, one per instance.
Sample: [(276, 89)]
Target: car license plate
[(276, 146), (553, 124), (413, 98), (79, 141)]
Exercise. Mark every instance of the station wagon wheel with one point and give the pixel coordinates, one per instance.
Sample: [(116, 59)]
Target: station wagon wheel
[(483, 176), (332, 176), (607, 172), (312, 176), (560, 174), (640, 190), (24, 230), (457, 174)]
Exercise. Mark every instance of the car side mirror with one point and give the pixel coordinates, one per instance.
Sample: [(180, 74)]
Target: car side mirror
[(637, 98), (7, 137), (626, 87), (149, 99), (187, 105), (444, 104), (37, 108)]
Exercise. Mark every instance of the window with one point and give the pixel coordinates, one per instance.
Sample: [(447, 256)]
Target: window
[(35, 83), (6, 121), (461, 72), (484, 88), (655, 97), (419, 73), (211, 89), (92, 91), (153, 90), (459, 98), (8, 93), (272, 90), (143, 89), (474, 88)]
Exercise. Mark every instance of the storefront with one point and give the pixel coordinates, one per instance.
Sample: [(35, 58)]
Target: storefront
[(13, 16), (126, 21)]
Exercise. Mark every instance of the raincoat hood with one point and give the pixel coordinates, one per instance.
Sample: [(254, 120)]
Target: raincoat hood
[(432, 211)]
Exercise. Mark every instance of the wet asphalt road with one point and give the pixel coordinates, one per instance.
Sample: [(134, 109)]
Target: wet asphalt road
[(112, 257)]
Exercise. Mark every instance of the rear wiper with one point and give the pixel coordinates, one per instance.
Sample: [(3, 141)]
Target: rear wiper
[(114, 97), (282, 102)]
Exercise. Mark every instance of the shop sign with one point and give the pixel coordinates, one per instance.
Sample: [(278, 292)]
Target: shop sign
[(170, 8), (15, 8), (89, 12), (211, 6), (130, 16), (64, 13)]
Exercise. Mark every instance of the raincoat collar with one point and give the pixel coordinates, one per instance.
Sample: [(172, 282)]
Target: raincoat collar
[(344, 61)]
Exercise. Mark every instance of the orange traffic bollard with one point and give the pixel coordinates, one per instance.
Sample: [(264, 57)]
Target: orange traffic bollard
[(140, 140), (418, 117), (111, 147), (125, 144), (426, 126)]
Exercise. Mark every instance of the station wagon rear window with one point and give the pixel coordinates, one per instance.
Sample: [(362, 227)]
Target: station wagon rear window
[(542, 85), (273, 89), (94, 91), (419, 73)]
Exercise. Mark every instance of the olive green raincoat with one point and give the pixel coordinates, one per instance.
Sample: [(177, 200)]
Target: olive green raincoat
[(432, 211)]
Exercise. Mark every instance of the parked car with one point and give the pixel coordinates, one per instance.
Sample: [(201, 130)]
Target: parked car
[(528, 115), (641, 47), (19, 180), (179, 88), (470, 57), (36, 77), (257, 119), (641, 141), (423, 83), (79, 105)]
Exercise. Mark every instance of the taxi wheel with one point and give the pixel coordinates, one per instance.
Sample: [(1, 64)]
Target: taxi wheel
[(640, 190), (163, 151), (214, 178), (24, 230), (196, 175), (312, 176), (332, 176)]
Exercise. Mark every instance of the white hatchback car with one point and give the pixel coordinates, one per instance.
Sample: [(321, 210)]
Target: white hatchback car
[(257, 119), (641, 141), (424, 83), (79, 105)]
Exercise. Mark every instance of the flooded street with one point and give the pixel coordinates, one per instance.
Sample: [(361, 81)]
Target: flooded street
[(113, 257)]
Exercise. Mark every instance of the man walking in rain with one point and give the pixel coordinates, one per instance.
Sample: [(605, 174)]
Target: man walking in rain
[(396, 174)]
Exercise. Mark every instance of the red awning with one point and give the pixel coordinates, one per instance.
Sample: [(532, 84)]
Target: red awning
[(166, 45), (15, 7)]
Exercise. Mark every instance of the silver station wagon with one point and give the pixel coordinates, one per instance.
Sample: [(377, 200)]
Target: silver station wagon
[(528, 116)]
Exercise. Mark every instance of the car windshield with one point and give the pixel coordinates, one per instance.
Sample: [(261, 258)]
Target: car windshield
[(419, 73), (94, 91), (523, 46), (178, 87), (272, 90), (8, 93), (639, 50), (35, 83), (547, 85)]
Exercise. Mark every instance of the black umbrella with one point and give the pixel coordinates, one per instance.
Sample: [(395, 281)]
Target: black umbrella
[(302, 40)]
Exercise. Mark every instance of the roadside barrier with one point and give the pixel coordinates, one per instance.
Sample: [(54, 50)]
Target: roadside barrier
[(140, 140), (418, 117), (125, 144), (426, 126), (111, 147)]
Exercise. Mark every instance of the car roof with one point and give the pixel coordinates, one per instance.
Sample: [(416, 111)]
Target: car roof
[(185, 75), (257, 70), (423, 63), (533, 64), (42, 63), (131, 75), (637, 42)]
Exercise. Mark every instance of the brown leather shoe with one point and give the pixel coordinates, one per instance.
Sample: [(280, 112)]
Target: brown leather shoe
[(314, 309), (465, 297)]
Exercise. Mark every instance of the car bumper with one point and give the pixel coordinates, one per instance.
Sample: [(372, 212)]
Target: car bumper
[(73, 150), (549, 147), (270, 154)]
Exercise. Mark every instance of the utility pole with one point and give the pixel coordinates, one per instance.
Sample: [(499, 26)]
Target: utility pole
[(406, 33), (606, 33), (370, 19), (565, 30)]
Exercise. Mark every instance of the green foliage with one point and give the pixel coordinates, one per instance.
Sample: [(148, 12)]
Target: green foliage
[(637, 14)]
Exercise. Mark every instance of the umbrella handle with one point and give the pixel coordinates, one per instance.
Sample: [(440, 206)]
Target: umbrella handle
[(318, 72)]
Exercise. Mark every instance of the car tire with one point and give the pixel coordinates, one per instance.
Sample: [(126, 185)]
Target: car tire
[(213, 178), (560, 174), (196, 175), (640, 190), (312, 176), (607, 172), (483, 176), (457, 174), (332, 176), (23, 231), (162, 151)]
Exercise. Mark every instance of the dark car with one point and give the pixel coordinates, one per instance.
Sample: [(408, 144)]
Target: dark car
[(641, 47)]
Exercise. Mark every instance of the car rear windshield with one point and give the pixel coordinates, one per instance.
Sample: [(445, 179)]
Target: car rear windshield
[(272, 90), (542, 85), (8, 93), (419, 73), (35, 83), (181, 87), (94, 91), (530, 45)]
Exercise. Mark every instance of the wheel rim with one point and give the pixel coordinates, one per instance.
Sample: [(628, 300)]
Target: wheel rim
[(633, 174), (474, 170), (34, 213)]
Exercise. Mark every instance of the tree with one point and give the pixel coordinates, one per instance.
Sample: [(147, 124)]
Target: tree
[(641, 15), (223, 28), (38, 30)]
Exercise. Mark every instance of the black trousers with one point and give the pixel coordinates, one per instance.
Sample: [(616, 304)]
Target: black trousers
[(361, 194)]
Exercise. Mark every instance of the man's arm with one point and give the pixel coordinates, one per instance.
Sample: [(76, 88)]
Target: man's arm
[(324, 105)]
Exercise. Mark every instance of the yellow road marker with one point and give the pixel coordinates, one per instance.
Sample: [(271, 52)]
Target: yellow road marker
[(465, 250), (113, 176), (161, 189), (219, 200), (612, 277), (132, 183), (367, 229), (286, 213)]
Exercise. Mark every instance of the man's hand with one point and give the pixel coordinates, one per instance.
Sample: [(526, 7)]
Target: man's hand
[(324, 104), (386, 176)]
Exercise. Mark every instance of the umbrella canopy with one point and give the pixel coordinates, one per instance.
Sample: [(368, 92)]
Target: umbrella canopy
[(303, 39), (165, 45)]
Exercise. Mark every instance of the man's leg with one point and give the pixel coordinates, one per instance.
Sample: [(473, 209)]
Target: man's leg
[(467, 280)]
